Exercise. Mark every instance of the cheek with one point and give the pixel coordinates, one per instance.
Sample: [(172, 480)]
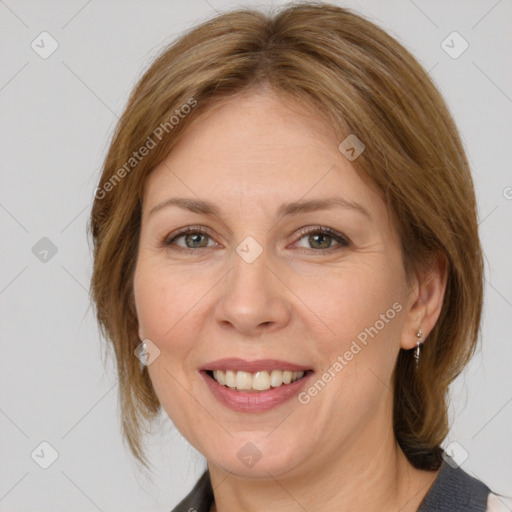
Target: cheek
[(165, 308), (363, 307), (163, 300), (350, 301)]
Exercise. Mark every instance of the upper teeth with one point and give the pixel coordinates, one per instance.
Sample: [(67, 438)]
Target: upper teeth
[(259, 381)]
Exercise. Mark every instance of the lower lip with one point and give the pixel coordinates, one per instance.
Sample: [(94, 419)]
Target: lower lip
[(257, 401)]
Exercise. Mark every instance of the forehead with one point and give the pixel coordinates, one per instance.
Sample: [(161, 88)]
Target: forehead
[(259, 149)]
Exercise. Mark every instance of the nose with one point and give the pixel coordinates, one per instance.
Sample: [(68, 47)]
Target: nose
[(253, 298)]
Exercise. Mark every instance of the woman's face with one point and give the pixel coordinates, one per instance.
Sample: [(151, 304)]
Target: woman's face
[(257, 277)]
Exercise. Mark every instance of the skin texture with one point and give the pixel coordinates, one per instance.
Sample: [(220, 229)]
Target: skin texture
[(301, 300)]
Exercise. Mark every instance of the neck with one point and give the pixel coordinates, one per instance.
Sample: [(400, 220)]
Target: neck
[(374, 475)]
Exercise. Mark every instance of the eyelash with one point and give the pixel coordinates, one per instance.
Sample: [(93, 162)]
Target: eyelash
[(324, 230)]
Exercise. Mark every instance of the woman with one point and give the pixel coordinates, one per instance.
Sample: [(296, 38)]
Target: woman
[(286, 260)]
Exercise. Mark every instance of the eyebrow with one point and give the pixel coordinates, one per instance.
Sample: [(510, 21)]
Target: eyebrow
[(207, 208)]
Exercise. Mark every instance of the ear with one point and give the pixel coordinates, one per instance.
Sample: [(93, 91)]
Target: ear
[(425, 301)]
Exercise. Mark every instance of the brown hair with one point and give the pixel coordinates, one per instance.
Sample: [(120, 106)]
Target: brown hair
[(363, 82)]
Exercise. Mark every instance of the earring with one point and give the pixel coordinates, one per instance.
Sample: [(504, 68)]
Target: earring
[(143, 356), (417, 350)]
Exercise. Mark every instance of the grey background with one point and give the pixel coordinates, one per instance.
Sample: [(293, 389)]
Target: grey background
[(57, 118)]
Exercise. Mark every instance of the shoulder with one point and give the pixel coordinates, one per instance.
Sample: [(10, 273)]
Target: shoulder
[(199, 499), (494, 504), (454, 490)]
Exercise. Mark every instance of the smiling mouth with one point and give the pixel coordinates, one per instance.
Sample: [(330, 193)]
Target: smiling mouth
[(257, 381)]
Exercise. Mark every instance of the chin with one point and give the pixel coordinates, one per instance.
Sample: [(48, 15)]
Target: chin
[(257, 457)]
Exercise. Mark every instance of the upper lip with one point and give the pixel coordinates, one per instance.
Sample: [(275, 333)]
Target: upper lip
[(237, 364)]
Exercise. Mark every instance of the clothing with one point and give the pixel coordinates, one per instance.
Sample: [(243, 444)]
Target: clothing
[(453, 490)]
